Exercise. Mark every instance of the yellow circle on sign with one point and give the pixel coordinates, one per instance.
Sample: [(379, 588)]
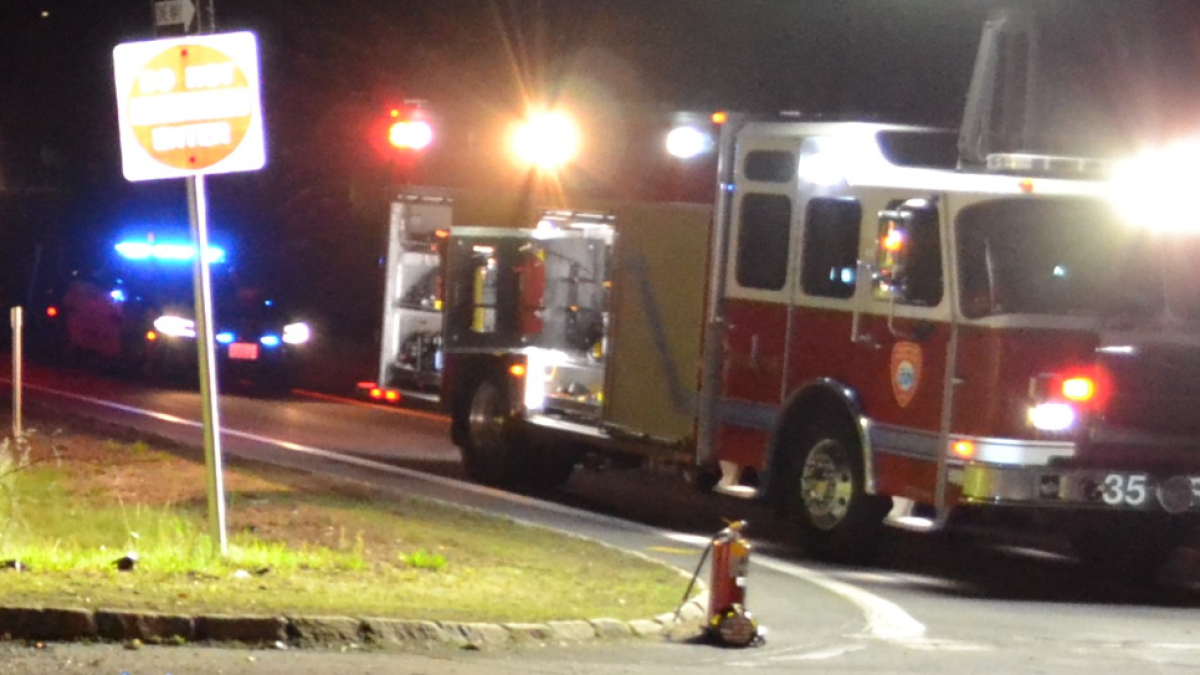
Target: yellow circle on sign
[(191, 107)]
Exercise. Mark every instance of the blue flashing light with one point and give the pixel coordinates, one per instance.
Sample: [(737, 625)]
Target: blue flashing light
[(166, 251), (224, 337), (117, 295), (269, 303), (270, 340), (135, 250), (173, 251)]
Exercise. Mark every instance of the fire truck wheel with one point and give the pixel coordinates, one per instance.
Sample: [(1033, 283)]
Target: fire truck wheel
[(489, 456), (834, 517)]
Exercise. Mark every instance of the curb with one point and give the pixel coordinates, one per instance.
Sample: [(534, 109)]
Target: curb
[(282, 632)]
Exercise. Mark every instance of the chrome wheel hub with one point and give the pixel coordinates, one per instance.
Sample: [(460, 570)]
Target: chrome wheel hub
[(487, 418), (827, 484)]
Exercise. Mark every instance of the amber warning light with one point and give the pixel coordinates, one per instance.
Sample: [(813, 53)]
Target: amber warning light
[(894, 240)]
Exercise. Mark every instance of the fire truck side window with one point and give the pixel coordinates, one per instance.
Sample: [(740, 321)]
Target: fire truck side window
[(764, 236), (830, 259), (770, 166), (918, 279), (925, 260)]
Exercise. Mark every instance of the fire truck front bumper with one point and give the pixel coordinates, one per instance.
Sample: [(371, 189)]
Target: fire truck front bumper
[(1045, 486)]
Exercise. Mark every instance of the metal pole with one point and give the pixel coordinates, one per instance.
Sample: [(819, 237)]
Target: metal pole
[(16, 319), (198, 211)]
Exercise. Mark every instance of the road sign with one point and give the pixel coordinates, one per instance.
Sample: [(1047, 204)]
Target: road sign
[(173, 18), (174, 13), (189, 106)]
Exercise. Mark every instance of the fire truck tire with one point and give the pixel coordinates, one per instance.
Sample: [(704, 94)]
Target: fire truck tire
[(827, 506), (496, 454), (489, 451)]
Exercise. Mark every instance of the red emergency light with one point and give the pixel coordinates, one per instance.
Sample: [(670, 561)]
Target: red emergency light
[(1079, 388), (410, 134), (1091, 387)]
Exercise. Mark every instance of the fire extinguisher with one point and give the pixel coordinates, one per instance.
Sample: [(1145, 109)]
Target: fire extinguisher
[(727, 621)]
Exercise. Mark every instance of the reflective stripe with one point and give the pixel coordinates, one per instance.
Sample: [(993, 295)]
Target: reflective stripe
[(921, 444)]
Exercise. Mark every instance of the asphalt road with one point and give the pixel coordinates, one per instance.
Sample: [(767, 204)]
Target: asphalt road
[(929, 604)]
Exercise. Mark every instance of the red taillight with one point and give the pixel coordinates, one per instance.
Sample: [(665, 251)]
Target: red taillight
[(1081, 389), (391, 396), (1090, 387), (51, 312), (376, 393)]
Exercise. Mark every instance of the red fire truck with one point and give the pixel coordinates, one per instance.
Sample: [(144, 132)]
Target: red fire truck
[(861, 323), (854, 328)]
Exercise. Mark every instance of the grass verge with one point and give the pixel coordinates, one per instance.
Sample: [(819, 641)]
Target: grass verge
[(73, 502)]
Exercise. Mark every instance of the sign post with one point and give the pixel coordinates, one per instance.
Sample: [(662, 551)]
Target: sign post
[(182, 17), (189, 107), (16, 318)]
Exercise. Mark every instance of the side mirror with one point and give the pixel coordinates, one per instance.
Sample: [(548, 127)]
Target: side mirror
[(891, 278)]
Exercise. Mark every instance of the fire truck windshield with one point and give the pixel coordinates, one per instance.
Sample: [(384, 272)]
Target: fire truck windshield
[(1072, 257)]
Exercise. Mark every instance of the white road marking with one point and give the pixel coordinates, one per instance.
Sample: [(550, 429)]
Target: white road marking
[(904, 579), (885, 620), (814, 655)]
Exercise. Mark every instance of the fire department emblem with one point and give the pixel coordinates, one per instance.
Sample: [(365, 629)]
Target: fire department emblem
[(906, 371)]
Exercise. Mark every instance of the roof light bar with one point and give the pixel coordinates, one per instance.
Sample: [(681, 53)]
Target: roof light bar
[(166, 251)]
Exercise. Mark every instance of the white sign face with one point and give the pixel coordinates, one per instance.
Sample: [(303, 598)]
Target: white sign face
[(189, 106)]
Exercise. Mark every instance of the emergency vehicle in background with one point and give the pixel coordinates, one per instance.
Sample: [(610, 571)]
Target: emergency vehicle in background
[(133, 313), (853, 322)]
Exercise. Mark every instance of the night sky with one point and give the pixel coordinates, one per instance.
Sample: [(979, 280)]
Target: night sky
[(315, 216)]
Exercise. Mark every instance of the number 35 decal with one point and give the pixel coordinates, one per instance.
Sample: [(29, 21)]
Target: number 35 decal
[(1128, 490)]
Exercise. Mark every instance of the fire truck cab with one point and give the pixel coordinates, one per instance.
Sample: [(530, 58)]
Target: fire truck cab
[(857, 329)]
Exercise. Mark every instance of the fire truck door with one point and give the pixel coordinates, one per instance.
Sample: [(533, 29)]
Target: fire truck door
[(903, 338), (763, 216)]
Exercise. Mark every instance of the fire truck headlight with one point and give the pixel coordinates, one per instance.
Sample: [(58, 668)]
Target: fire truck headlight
[(297, 333), (175, 326), (1152, 189), (688, 142), (1052, 416), (546, 140)]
